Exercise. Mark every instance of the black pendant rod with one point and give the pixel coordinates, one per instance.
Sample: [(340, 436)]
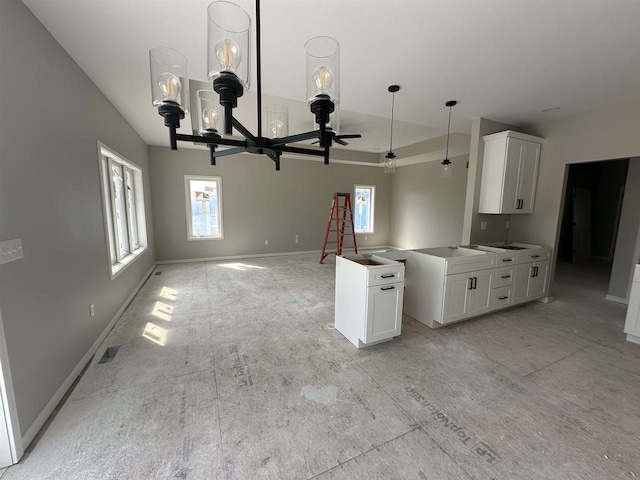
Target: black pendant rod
[(259, 68)]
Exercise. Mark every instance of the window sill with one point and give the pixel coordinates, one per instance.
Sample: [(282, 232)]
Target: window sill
[(197, 239), (119, 267)]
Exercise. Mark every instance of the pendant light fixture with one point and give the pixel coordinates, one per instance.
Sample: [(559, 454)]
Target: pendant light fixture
[(447, 166), (390, 158)]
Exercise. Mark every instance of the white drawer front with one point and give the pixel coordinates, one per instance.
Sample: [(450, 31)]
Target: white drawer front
[(503, 277), (504, 259), (470, 264), (501, 297), (383, 275), (537, 255)]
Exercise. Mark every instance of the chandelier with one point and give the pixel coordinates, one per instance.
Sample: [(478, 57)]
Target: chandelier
[(229, 71)]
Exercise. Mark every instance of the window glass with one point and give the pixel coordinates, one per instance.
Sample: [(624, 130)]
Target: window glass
[(123, 209), (363, 208), (204, 207)]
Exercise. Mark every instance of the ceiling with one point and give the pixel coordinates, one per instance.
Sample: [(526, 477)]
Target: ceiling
[(506, 60)]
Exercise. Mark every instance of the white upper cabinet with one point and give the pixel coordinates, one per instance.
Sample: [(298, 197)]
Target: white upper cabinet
[(509, 172)]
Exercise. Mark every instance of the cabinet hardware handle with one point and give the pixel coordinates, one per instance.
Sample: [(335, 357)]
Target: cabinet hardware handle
[(387, 288), (533, 272), (475, 282), (505, 276), (507, 259), (535, 256), (537, 270), (502, 298), (470, 286), (388, 275)]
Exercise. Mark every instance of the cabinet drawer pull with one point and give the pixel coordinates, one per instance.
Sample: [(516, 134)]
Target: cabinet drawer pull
[(507, 259), (505, 276), (387, 288), (502, 298), (535, 256), (388, 275)]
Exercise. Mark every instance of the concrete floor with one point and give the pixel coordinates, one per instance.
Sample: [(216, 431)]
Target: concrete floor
[(233, 370)]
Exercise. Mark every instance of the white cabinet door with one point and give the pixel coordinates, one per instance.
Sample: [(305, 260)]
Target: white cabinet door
[(384, 312), (456, 291), (480, 295), (538, 281), (527, 176), (521, 282), (509, 173), (515, 149)]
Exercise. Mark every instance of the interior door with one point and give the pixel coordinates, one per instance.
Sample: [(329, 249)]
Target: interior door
[(581, 224)]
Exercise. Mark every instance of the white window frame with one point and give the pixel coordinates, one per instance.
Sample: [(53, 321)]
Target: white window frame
[(372, 216), (134, 211), (187, 196)]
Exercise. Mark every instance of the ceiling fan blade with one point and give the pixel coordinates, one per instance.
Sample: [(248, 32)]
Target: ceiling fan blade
[(340, 141), (317, 141), (350, 135)]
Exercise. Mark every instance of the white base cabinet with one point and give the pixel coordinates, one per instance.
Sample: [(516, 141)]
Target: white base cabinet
[(466, 295), (442, 290), (368, 300)]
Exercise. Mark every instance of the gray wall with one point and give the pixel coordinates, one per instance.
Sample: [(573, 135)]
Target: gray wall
[(258, 203), (608, 133), (428, 210), (50, 197), (627, 252), (496, 230)]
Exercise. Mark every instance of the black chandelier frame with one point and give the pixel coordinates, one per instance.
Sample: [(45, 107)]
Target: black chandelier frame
[(229, 88)]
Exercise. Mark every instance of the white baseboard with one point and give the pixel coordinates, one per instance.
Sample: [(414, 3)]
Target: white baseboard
[(547, 299), (612, 298), (38, 423), (255, 255)]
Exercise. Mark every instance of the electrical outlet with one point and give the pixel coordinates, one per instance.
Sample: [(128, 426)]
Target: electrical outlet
[(266, 242), (92, 310), (506, 224), (296, 238), (483, 225)]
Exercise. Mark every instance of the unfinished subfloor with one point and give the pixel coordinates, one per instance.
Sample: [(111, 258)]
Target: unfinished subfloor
[(233, 370)]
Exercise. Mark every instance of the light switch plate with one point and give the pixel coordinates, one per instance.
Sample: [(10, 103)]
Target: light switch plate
[(11, 250)]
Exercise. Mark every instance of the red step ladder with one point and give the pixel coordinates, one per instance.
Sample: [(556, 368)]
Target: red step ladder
[(341, 216)]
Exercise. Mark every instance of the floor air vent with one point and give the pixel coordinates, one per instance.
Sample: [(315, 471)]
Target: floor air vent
[(109, 354)]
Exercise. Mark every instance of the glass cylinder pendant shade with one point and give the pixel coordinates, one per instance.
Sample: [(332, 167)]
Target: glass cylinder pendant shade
[(445, 169), (390, 163), (277, 121), (208, 111), (169, 80), (322, 65), (228, 41)]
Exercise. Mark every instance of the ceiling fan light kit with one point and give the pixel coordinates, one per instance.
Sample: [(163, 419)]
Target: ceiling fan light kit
[(228, 69)]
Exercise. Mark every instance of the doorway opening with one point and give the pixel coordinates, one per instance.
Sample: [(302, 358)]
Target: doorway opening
[(590, 220)]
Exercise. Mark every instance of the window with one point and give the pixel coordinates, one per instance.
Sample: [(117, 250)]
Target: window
[(204, 207), (123, 208), (363, 208)]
